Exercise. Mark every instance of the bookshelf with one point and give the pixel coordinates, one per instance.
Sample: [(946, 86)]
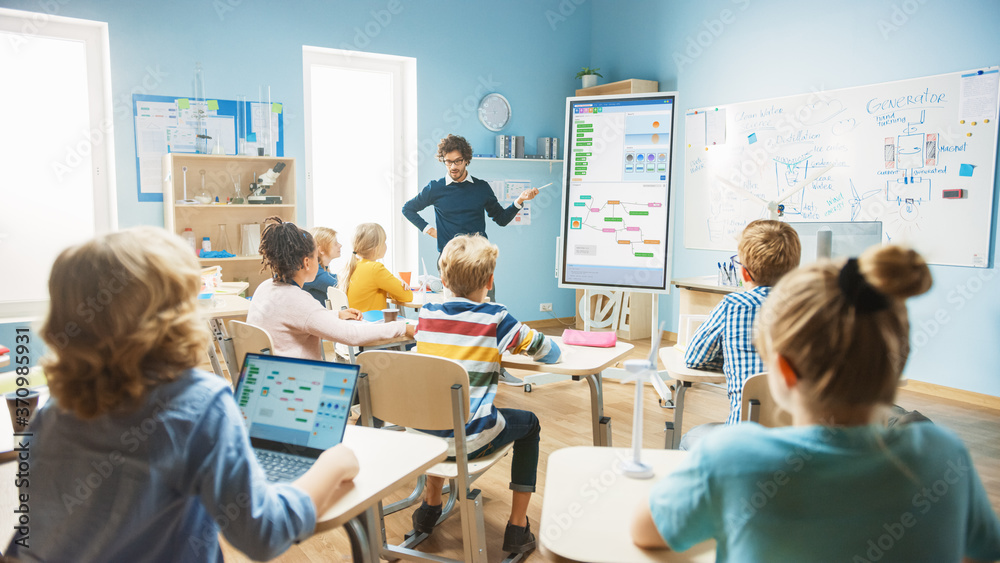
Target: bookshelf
[(204, 219)]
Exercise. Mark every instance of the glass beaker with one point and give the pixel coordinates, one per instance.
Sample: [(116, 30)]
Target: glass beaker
[(222, 242)]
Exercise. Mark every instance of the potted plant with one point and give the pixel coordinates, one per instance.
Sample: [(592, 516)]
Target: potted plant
[(589, 76)]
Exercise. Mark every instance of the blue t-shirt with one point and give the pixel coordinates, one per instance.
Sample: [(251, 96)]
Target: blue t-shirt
[(817, 493), (157, 484), (317, 288)]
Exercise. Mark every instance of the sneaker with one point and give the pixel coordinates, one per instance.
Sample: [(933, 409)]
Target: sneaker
[(517, 539), (507, 379), (426, 517)]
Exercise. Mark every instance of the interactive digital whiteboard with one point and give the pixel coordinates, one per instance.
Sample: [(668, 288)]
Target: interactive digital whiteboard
[(918, 155), (616, 196)]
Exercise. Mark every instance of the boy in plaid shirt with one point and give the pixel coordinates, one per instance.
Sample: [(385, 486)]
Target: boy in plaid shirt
[(767, 251)]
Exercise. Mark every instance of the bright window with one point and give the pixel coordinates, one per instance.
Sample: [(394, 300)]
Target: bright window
[(56, 150), (360, 112)]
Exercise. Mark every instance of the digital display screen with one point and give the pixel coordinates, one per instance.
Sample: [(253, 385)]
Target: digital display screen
[(617, 194)]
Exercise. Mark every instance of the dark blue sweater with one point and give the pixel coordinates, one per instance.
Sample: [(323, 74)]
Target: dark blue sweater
[(458, 208)]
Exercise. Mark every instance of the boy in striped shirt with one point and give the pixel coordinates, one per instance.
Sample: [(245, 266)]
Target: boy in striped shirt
[(767, 251), (476, 334)]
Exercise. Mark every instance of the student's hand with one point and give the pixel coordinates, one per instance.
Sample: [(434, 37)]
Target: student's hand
[(350, 315), (432, 232), (332, 469), (527, 195), (340, 460), (411, 330)]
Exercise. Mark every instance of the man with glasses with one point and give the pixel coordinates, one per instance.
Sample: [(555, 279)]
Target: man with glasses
[(461, 203), (459, 199)]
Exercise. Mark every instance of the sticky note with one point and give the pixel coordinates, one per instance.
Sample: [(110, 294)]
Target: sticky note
[(752, 138), (965, 170), (213, 105), (275, 107), (251, 137), (183, 103)]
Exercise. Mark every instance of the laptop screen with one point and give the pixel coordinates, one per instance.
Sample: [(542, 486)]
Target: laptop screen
[(291, 403)]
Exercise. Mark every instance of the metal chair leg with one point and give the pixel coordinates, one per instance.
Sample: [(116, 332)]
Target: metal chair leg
[(418, 491)]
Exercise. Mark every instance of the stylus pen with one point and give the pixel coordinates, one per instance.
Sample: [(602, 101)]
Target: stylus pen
[(546, 185)]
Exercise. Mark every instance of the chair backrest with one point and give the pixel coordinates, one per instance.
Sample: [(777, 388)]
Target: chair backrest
[(413, 390), (249, 338), (335, 298), (759, 406)]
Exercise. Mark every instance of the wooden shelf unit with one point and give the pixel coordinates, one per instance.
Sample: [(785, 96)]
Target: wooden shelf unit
[(204, 220), (630, 86)]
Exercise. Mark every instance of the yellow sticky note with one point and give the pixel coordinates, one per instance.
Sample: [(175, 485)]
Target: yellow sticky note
[(213, 105), (275, 107), (183, 103)]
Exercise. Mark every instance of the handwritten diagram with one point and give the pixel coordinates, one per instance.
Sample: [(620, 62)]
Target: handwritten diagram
[(900, 153)]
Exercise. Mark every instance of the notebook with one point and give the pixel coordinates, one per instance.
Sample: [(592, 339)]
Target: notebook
[(294, 409)]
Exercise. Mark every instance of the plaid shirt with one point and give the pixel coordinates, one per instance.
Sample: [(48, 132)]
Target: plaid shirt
[(725, 341)]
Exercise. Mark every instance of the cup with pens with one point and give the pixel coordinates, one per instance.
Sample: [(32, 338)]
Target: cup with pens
[(729, 274)]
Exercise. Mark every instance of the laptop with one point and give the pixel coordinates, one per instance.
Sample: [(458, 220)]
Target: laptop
[(294, 409)]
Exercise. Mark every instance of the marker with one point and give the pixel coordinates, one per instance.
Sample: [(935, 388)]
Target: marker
[(545, 186)]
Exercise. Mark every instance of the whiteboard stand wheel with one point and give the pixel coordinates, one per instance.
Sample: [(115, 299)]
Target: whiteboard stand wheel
[(527, 388)]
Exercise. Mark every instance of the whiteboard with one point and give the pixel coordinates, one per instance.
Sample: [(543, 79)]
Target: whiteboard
[(918, 155)]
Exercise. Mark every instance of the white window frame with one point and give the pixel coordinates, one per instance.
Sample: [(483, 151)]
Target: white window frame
[(94, 35), (402, 235)]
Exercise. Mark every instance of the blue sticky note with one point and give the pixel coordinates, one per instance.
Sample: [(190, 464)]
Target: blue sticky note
[(752, 138), (965, 170), (251, 137)]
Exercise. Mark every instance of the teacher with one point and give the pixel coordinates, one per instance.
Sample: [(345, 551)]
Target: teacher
[(460, 200)]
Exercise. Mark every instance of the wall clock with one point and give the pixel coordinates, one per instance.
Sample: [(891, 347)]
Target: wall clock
[(494, 111)]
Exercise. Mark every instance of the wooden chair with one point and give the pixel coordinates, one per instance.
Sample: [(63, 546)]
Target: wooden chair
[(759, 406), (336, 300), (247, 338), (431, 393)]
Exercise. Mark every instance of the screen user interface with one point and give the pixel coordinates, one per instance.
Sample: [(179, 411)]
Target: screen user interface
[(296, 401), (618, 193)]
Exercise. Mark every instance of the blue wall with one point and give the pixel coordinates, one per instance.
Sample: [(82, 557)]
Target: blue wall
[(526, 50), (529, 50), (783, 47)]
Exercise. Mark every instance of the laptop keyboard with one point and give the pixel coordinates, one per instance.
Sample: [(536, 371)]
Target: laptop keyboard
[(282, 467)]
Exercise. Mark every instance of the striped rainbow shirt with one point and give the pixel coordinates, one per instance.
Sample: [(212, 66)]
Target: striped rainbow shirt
[(476, 335)]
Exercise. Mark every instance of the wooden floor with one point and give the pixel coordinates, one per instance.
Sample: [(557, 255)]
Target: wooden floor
[(564, 411)]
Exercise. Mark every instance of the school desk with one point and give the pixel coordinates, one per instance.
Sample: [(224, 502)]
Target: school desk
[(673, 363), (588, 506), (579, 362), (419, 298), (387, 460)]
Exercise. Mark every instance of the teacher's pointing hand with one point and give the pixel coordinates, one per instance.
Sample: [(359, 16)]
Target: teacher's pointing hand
[(527, 195)]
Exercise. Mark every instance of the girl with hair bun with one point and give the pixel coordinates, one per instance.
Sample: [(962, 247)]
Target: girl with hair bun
[(837, 485), (295, 321)]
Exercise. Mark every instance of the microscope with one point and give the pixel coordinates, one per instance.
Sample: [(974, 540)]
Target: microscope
[(258, 189)]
